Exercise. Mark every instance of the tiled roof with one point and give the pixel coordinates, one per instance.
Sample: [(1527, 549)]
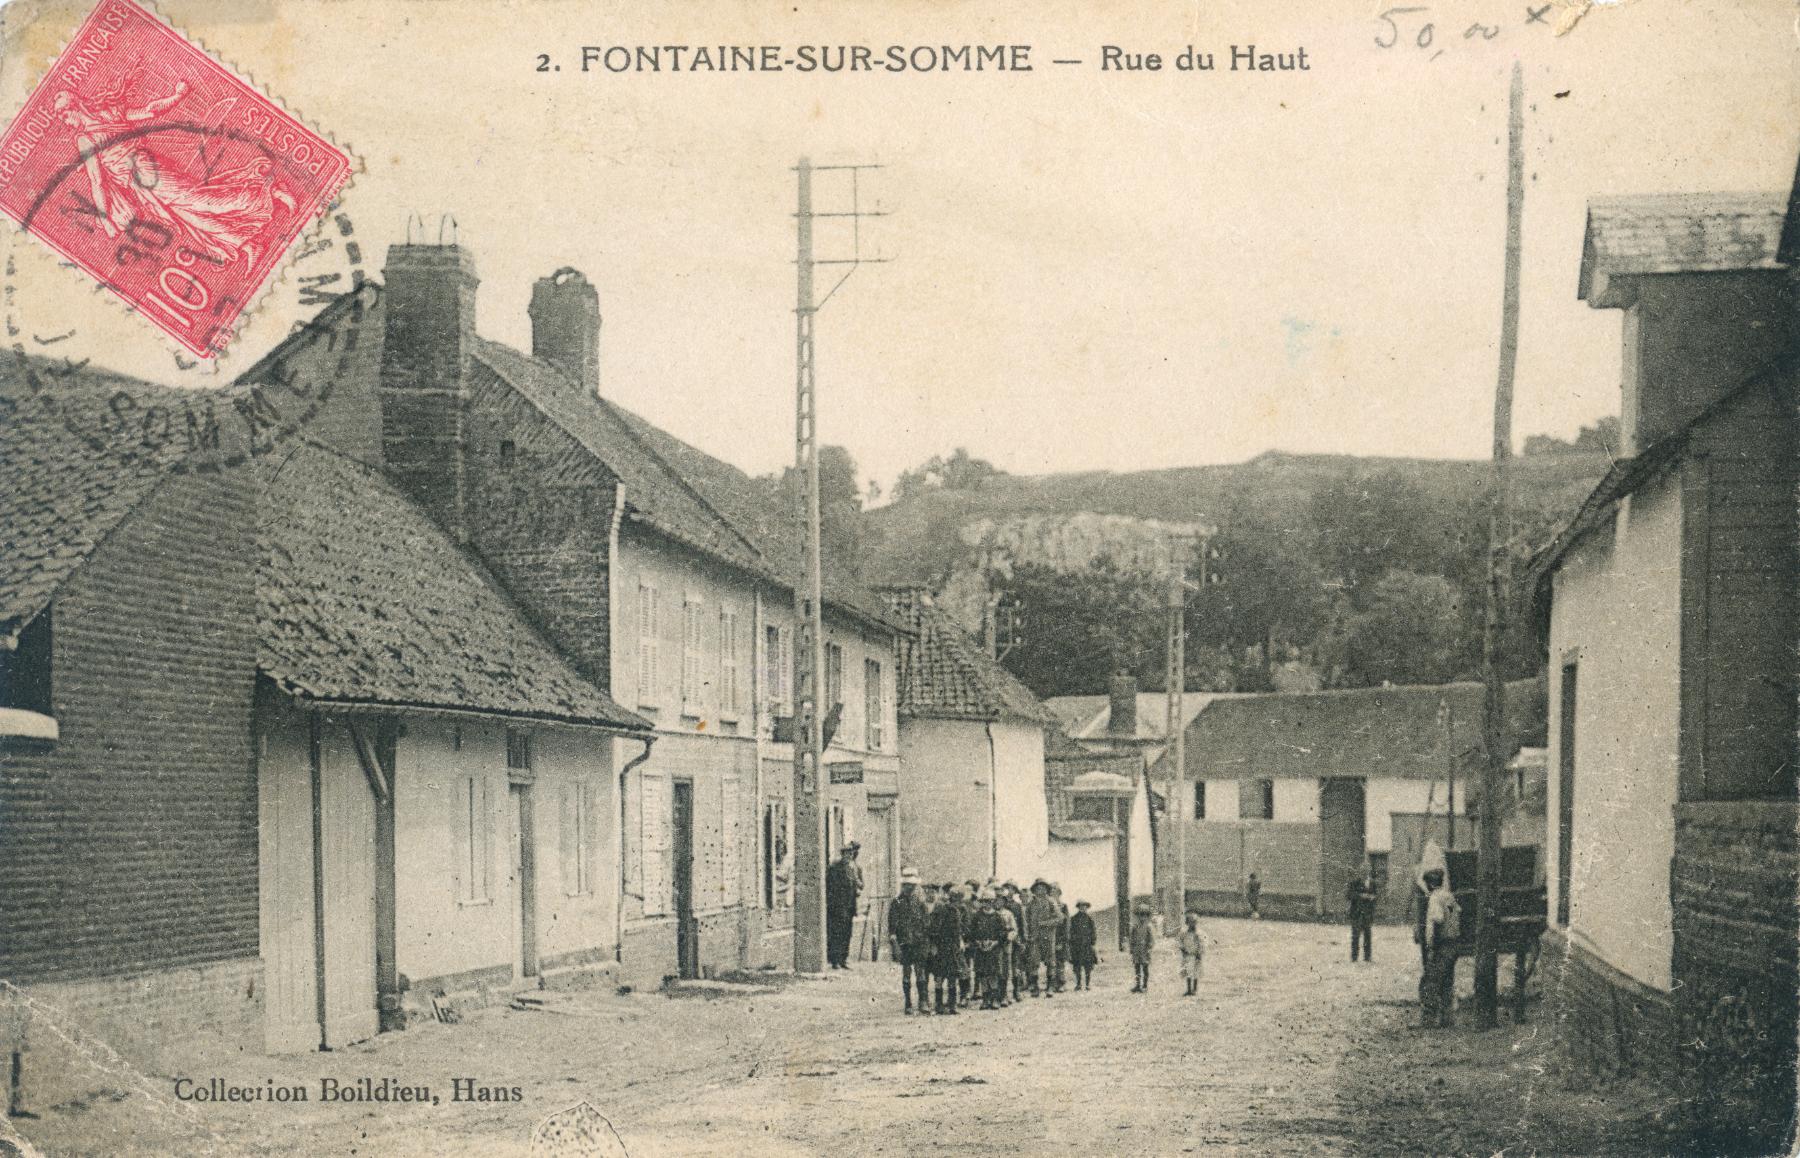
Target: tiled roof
[(1678, 233), (656, 494), (948, 676), (64, 484), (1088, 717), (362, 599), (1388, 732)]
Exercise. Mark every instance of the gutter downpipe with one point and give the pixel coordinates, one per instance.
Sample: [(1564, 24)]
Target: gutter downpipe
[(619, 867), (993, 803)]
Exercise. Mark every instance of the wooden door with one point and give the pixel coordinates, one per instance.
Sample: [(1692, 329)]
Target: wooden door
[(285, 854), (347, 861), (1341, 842), (687, 933)]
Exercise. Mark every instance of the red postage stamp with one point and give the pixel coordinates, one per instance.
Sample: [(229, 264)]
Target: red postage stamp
[(180, 187)]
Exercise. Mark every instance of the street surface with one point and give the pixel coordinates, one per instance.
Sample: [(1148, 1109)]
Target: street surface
[(1289, 1049)]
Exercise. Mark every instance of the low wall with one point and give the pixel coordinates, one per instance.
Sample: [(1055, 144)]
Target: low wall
[(1734, 882), (1606, 1020)]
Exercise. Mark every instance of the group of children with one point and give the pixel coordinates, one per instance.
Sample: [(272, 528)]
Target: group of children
[(995, 942), (959, 942)]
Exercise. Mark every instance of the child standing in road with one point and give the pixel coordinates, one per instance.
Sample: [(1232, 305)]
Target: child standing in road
[(1083, 939), (1143, 943), (1193, 953)]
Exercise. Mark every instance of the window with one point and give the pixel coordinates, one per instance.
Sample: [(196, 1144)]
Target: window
[(508, 454), (834, 676), (25, 669), (472, 828), (649, 636), (1256, 800), (1565, 794), (690, 651), (653, 808), (730, 868), (1091, 808), (777, 868), (774, 669), (874, 704), (730, 699), (577, 839), (1199, 800), (518, 750)]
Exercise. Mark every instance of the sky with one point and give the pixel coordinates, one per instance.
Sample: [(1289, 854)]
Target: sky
[(1090, 270)]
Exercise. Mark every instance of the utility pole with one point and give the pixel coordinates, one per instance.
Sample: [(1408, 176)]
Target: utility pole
[(1450, 766), (810, 853), (1494, 737), (1181, 796)]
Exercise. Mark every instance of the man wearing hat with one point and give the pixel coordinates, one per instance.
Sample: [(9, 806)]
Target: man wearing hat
[(1042, 917), (843, 885), (946, 926), (987, 935), (909, 940), (1437, 982)]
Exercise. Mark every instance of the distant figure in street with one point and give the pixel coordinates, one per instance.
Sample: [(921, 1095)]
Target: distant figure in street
[(1361, 895), (946, 931), (987, 936), (1437, 982), (1253, 895), (1193, 953), (843, 885), (909, 939), (1083, 940), (1143, 944), (1062, 938), (1042, 916)]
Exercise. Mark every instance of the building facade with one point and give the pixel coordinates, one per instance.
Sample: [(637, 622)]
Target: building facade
[(1668, 609)]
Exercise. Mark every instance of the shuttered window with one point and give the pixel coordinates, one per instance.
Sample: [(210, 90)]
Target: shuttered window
[(730, 695), (648, 643), (774, 674), (577, 839), (874, 704), (730, 835), (690, 652), (653, 802), (471, 832)]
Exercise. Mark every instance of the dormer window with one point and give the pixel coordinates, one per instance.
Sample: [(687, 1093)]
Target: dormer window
[(25, 712)]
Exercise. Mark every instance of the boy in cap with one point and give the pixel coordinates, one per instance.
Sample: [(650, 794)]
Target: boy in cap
[(1143, 944), (1083, 939), (1193, 953), (945, 929), (1015, 952), (908, 939), (1042, 915), (987, 936)]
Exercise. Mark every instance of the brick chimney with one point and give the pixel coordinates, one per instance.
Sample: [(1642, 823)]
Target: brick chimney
[(1122, 721), (565, 325), (429, 333)]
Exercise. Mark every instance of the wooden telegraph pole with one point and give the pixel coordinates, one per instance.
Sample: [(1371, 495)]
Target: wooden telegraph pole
[(1493, 733), (810, 853)]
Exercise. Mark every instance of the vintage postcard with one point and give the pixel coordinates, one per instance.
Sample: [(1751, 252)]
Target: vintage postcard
[(928, 577)]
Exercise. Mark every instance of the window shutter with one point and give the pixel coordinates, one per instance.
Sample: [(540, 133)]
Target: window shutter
[(485, 826), (585, 794), (458, 795), (647, 642), (654, 804), (729, 829), (571, 882)]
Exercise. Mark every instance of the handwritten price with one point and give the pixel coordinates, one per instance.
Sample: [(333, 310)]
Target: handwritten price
[(1402, 24)]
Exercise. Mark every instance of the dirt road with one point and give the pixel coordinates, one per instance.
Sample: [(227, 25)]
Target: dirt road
[(1289, 1049)]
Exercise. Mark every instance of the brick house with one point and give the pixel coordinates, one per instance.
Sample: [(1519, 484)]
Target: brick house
[(1668, 606), (127, 669), (658, 570), (1304, 787)]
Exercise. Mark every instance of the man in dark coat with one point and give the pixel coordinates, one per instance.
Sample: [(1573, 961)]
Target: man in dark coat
[(909, 939), (1042, 917), (988, 936), (1361, 895), (945, 928), (1083, 939), (843, 885)]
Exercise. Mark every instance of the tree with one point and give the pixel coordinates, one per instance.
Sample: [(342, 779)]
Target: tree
[(960, 472), (1271, 595), (840, 503), (1080, 627), (1411, 630)]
